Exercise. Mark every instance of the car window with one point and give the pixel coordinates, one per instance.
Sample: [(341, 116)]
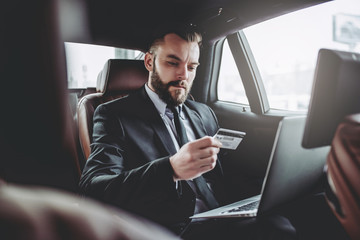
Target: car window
[(230, 86), (85, 61), (285, 50)]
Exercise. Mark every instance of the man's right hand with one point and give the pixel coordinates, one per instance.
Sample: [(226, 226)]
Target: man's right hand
[(195, 158)]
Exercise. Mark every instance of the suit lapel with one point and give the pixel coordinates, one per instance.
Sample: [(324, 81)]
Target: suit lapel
[(152, 117), (196, 122), (161, 131)]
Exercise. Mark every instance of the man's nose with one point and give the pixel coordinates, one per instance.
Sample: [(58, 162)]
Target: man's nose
[(183, 73)]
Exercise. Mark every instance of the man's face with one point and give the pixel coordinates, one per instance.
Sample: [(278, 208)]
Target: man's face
[(173, 68)]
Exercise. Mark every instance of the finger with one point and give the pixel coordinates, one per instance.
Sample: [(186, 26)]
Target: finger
[(206, 168), (207, 141), (204, 162), (206, 152), (218, 143)]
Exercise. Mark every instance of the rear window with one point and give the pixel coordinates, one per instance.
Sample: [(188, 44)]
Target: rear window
[(286, 48), (85, 61)]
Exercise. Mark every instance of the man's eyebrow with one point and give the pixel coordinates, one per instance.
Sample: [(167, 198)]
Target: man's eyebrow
[(179, 59), (174, 57)]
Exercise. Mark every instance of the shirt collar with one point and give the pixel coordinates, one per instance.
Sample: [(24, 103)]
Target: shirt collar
[(159, 103)]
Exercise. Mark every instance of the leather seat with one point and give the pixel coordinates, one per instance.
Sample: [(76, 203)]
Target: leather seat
[(343, 173), (117, 79)]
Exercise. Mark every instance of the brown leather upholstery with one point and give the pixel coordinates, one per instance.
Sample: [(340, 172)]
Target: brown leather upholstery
[(38, 213), (343, 173), (117, 79)]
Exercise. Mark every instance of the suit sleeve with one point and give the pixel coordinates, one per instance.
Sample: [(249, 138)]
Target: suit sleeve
[(104, 176)]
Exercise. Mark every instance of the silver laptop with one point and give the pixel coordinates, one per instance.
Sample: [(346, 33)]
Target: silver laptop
[(292, 171)]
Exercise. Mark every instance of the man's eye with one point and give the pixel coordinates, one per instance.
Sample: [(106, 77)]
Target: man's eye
[(191, 68), (172, 63)]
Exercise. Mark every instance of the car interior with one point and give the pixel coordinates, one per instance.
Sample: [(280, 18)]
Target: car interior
[(46, 127)]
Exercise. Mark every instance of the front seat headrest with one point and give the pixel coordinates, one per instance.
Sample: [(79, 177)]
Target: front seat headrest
[(120, 76)]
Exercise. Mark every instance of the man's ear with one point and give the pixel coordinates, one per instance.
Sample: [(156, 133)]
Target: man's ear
[(148, 61)]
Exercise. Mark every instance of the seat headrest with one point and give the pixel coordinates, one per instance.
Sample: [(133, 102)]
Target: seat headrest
[(119, 75)]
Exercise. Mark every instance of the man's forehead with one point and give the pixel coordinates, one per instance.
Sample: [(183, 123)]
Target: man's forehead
[(177, 48)]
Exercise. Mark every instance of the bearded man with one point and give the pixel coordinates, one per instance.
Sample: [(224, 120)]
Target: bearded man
[(138, 161)]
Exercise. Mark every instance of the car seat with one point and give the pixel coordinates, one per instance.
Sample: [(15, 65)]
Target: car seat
[(343, 175), (117, 79)]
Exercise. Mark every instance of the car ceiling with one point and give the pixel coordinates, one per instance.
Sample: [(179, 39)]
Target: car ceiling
[(128, 24)]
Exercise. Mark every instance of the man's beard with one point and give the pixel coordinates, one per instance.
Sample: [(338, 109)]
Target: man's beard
[(163, 92)]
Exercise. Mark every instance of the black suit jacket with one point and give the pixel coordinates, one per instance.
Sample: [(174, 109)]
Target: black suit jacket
[(129, 163)]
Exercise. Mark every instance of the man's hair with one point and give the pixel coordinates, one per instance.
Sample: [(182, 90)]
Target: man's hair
[(187, 32)]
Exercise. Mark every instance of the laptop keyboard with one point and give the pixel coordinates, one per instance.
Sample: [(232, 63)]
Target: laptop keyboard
[(246, 207)]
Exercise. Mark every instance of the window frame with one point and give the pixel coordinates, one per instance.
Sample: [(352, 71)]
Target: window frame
[(247, 69)]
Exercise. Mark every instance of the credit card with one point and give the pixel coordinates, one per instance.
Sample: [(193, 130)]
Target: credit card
[(230, 139)]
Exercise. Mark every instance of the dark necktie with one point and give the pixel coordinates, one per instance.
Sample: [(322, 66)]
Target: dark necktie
[(200, 182)]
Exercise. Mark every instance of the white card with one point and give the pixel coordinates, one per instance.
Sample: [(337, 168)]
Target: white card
[(230, 139)]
